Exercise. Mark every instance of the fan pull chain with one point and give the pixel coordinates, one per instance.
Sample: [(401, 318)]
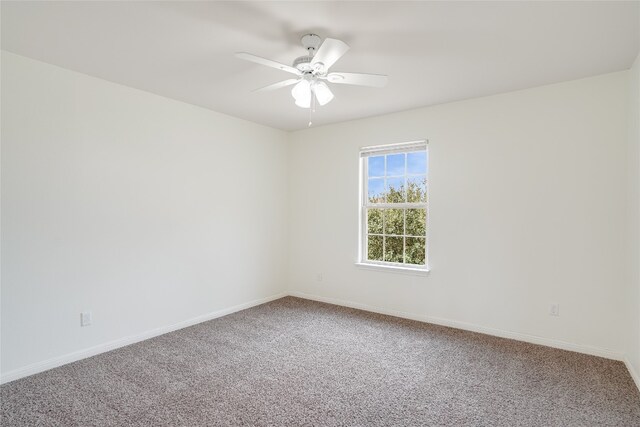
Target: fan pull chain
[(313, 107)]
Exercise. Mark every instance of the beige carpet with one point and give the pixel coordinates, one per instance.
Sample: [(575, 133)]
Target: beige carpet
[(295, 362)]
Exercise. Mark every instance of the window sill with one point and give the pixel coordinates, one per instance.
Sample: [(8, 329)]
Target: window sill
[(393, 269)]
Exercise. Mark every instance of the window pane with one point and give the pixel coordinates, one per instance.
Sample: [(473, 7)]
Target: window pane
[(395, 164), (417, 163), (394, 221), (374, 221), (416, 222), (376, 166), (376, 190), (395, 226), (393, 249), (395, 190), (415, 250), (417, 189), (374, 250)]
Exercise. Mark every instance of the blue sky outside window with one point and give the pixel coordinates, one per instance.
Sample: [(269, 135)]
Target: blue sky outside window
[(395, 164), (376, 188), (376, 166), (417, 163)]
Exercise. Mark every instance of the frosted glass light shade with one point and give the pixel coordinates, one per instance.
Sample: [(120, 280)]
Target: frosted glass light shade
[(323, 93), (301, 92)]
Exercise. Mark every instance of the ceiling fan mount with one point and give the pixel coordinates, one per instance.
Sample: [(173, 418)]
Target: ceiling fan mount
[(304, 63), (311, 42), (312, 70)]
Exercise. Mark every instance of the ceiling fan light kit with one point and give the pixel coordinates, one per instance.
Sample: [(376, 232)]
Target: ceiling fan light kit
[(312, 71), (301, 92), (322, 92)]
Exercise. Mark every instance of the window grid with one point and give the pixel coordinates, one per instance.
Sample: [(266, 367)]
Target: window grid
[(367, 205), (404, 234)]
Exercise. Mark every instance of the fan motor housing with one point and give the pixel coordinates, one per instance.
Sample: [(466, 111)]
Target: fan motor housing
[(303, 63)]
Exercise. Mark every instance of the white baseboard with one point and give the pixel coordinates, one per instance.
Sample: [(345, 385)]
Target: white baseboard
[(594, 351), (632, 371), (112, 345)]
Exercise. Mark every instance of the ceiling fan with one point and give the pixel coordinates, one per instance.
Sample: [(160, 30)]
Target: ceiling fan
[(312, 71)]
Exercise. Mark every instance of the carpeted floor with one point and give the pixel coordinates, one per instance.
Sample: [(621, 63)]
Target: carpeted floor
[(295, 362)]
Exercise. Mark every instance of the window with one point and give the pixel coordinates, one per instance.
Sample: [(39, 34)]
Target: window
[(393, 205)]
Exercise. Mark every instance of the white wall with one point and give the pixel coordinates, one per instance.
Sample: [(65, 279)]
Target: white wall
[(527, 207), (144, 210), (634, 218)]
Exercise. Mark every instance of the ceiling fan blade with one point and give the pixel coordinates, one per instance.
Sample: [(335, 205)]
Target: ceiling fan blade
[(329, 52), (360, 79), (269, 63), (278, 85)]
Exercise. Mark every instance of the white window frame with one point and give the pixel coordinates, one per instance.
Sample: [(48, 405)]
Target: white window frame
[(380, 150)]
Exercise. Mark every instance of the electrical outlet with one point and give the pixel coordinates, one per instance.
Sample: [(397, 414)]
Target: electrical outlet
[(85, 318), (319, 277), (554, 309)]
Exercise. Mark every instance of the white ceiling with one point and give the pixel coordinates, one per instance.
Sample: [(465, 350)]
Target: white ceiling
[(433, 52)]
